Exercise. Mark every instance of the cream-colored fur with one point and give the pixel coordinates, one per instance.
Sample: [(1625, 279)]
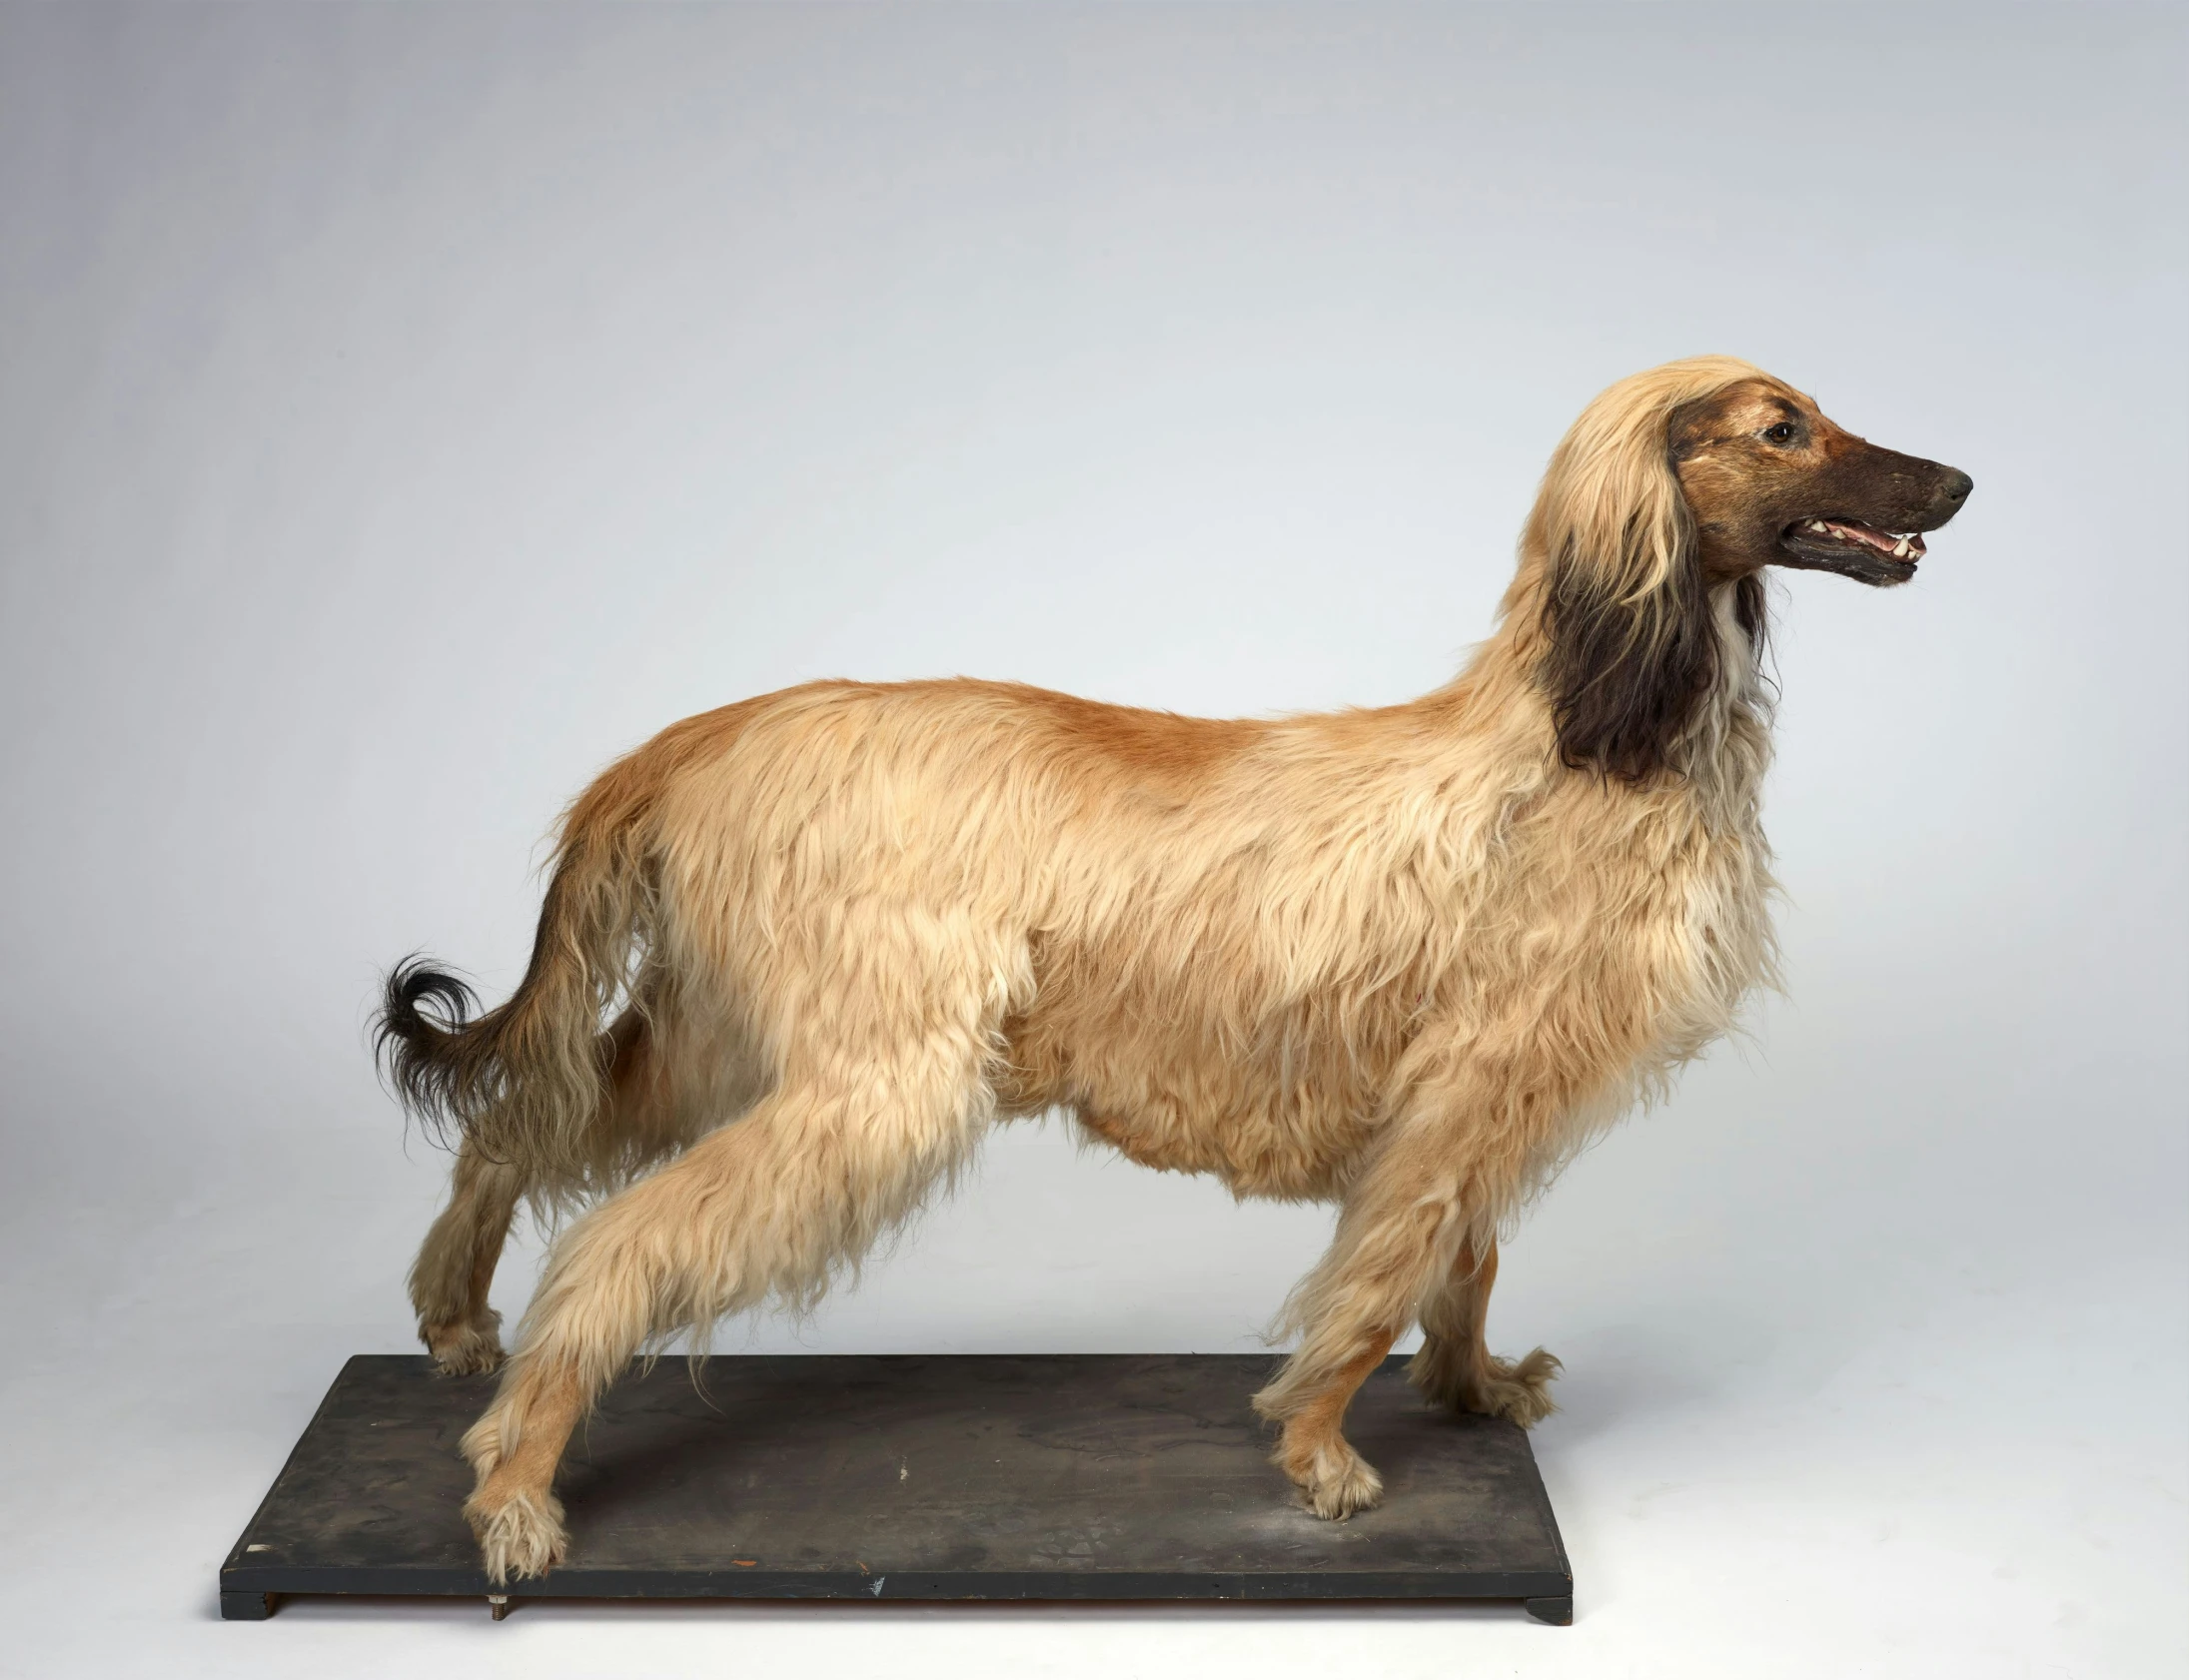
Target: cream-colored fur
[(1403, 960)]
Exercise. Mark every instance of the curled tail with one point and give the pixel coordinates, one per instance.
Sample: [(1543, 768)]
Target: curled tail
[(523, 1081)]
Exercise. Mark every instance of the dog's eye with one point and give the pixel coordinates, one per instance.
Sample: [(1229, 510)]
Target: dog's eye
[(1782, 433)]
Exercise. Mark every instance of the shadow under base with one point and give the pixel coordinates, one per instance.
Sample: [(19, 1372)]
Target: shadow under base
[(1021, 1477)]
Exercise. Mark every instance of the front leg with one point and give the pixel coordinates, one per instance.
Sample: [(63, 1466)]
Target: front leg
[(1450, 1162), (1455, 1367), (1396, 1227), (1334, 1480)]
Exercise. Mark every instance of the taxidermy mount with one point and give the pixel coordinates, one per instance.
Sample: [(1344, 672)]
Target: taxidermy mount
[(798, 954)]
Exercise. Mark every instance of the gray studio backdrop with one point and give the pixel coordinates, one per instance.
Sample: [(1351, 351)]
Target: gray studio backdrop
[(404, 412)]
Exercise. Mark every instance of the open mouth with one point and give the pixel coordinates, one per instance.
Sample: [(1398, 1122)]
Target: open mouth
[(1849, 546)]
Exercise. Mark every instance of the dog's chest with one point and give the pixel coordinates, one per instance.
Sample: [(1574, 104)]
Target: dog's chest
[(1715, 943), (1634, 917), (1725, 946)]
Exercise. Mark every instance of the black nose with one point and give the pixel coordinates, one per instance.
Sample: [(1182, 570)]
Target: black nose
[(1957, 486)]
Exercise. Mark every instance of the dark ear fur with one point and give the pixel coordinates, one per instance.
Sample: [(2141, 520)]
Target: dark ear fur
[(1750, 615), (1624, 676)]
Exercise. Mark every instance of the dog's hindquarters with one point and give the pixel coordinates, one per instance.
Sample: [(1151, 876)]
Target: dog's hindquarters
[(643, 1118), (527, 1082), (859, 1127), (551, 1108)]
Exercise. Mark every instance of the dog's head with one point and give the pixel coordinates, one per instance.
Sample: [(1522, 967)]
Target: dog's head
[(1769, 480), (1674, 489)]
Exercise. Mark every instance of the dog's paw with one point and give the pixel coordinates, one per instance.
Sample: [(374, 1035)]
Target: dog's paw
[(465, 1349), (1337, 1491), (520, 1533), (1517, 1390), (1334, 1480)]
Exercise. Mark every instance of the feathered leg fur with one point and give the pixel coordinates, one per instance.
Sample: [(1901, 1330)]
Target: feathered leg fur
[(455, 1268), (1456, 1368), (1444, 1169), (857, 1130)]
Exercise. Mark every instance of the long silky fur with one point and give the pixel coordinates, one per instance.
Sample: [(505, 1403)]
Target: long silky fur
[(1406, 960), (526, 1083)]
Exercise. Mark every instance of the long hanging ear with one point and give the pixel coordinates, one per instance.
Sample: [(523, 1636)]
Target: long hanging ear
[(1629, 647), (1626, 673)]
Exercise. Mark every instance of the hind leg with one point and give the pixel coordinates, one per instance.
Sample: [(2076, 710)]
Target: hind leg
[(455, 1268), (1455, 1367), (854, 1134)]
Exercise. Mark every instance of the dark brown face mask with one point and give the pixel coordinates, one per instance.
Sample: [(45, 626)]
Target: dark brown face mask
[(1770, 482)]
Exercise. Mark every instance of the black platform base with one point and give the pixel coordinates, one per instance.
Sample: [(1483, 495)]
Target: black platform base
[(1079, 1477)]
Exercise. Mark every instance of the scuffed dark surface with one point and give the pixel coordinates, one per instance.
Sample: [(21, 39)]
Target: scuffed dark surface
[(1019, 1476)]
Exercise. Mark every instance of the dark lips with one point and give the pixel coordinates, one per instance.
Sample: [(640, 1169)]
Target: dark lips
[(1853, 549), (1817, 533)]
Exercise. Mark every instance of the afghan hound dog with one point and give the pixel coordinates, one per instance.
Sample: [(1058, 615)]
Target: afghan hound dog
[(796, 955)]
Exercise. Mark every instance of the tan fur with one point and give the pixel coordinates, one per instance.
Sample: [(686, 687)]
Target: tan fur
[(1455, 1366), (1404, 960), (455, 1268)]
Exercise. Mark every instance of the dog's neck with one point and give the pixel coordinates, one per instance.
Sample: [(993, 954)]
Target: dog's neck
[(1727, 745), (1721, 743)]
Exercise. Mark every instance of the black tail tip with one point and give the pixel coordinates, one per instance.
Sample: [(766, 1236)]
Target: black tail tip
[(422, 1040), (403, 1024)]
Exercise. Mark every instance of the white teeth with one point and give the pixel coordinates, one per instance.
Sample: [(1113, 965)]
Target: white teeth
[(1817, 524), (1900, 548)]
